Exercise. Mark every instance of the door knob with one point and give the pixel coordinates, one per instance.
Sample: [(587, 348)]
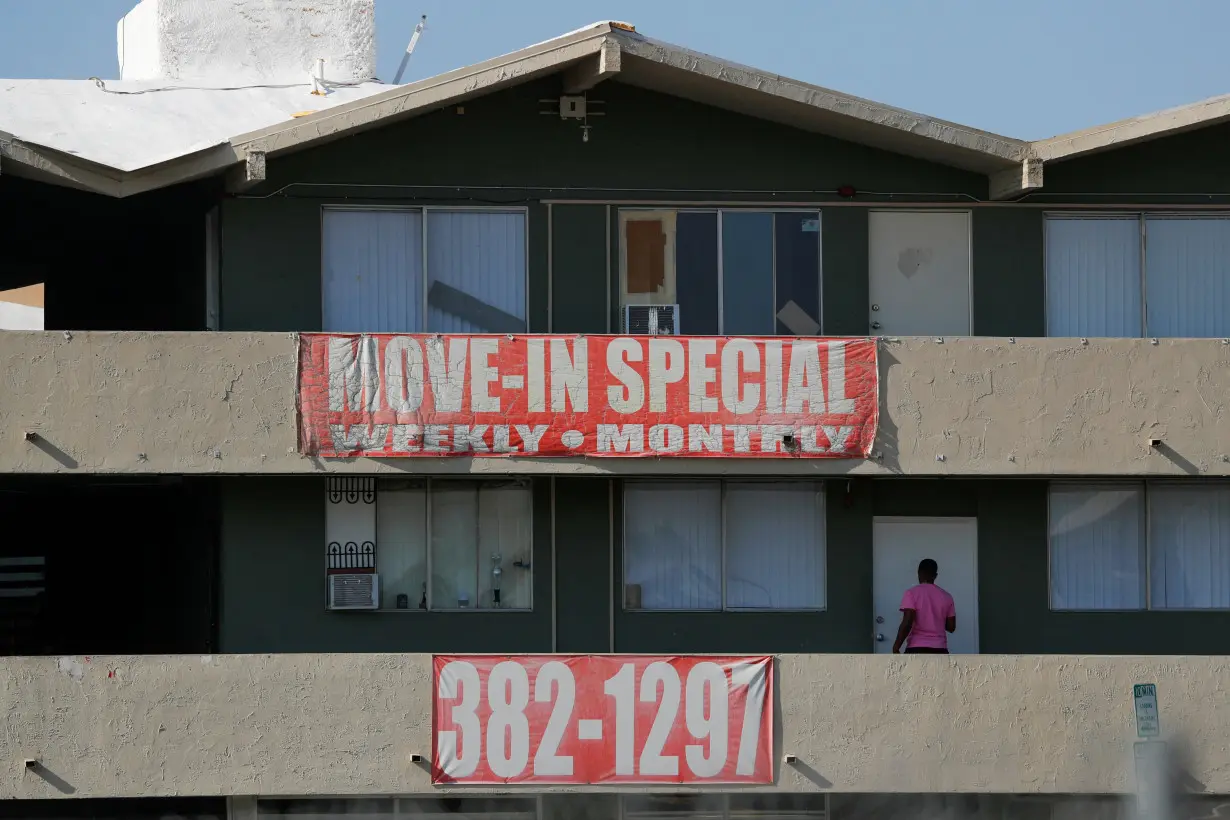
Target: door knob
[(875, 325), (875, 307), (879, 619), (880, 636)]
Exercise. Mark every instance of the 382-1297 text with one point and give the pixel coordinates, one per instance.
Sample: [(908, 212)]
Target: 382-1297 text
[(603, 718)]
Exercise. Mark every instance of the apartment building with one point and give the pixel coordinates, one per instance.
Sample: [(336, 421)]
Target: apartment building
[(617, 369)]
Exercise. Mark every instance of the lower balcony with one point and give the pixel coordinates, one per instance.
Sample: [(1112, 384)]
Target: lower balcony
[(351, 725)]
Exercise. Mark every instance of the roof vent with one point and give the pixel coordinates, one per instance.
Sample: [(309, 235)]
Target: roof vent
[(247, 42)]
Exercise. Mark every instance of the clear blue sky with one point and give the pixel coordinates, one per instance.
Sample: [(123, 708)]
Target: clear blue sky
[(1024, 68)]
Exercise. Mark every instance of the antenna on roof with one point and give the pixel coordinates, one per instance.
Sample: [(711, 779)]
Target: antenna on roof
[(414, 39)]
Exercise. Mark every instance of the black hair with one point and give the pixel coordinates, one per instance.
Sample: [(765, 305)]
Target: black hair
[(927, 566)]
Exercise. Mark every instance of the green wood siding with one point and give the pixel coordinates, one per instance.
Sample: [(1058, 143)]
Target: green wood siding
[(1009, 285), (1172, 169), (578, 269), (582, 564), (844, 257)]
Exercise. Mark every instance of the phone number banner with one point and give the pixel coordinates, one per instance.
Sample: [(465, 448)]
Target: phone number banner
[(591, 719), (465, 395)]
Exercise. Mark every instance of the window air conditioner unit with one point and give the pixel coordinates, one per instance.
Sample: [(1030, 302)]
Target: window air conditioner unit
[(651, 320), (357, 590)]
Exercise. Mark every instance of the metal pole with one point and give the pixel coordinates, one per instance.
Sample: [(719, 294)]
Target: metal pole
[(1153, 782), (405, 58)]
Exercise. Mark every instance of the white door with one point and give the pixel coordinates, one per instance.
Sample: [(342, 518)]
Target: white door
[(898, 545), (920, 273)]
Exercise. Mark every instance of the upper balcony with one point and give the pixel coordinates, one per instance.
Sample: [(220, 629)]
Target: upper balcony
[(183, 403)]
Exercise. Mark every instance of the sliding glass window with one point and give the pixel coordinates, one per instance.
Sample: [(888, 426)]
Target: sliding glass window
[(433, 270), (732, 272), (1132, 275)]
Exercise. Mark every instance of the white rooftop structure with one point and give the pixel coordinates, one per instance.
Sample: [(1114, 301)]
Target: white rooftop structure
[(243, 42)]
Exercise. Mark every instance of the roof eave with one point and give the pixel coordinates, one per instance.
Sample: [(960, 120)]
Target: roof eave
[(28, 159), (48, 165), (1135, 130), (901, 130), (416, 98), (879, 125)]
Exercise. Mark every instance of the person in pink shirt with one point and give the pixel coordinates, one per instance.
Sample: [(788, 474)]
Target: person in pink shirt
[(927, 615)]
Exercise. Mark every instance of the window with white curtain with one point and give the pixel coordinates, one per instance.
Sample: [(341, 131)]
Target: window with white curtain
[(1093, 277), (441, 544), (1189, 547), (1128, 275), (1097, 547), (711, 544), (1140, 546), (673, 544), (1186, 289), (480, 545), (415, 270)]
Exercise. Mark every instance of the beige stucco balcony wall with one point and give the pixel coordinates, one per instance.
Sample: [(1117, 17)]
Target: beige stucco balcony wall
[(225, 403), (347, 724)]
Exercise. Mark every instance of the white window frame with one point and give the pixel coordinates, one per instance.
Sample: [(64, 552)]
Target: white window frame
[(427, 482), (630, 213), (1142, 220), (819, 487), (424, 210), (1145, 537)]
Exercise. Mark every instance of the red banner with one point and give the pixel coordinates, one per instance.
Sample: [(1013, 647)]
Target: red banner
[(602, 719), (414, 395)]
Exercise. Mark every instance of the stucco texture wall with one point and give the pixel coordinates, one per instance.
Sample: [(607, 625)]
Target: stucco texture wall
[(347, 724), (225, 403)]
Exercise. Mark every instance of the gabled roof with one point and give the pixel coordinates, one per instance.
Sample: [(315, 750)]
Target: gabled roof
[(606, 51), (78, 134)]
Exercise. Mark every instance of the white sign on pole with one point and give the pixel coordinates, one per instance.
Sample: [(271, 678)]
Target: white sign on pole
[(1148, 722)]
